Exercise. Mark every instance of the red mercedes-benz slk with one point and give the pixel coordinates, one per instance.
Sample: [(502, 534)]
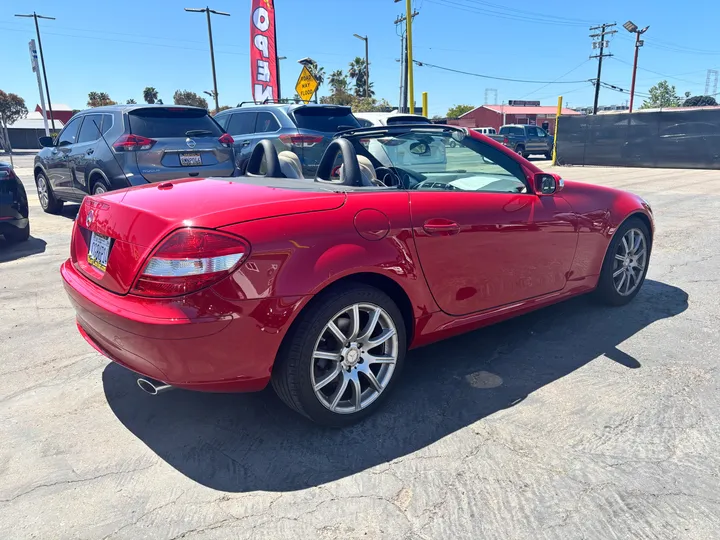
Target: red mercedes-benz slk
[(320, 286)]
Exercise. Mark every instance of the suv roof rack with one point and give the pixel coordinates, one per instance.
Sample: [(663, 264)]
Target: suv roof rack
[(284, 101)]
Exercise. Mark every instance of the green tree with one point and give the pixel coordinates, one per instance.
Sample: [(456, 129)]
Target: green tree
[(356, 71), (99, 99), (458, 110), (131, 101), (662, 95), (150, 95), (700, 101), (222, 108), (338, 81), (317, 72), (186, 97), (12, 109)]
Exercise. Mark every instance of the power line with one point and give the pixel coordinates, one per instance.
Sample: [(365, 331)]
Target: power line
[(482, 76), (656, 72), (601, 44), (530, 13), (504, 15), (556, 80)]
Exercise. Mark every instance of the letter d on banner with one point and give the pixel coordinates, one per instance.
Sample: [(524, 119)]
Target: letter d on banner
[(263, 55)]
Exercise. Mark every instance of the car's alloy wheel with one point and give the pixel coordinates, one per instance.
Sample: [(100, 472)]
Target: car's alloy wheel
[(630, 262), (42, 189), (99, 189), (48, 201), (354, 358)]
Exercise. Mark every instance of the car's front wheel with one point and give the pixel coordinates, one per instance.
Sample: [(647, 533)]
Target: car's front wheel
[(48, 201), (343, 355), (626, 263)]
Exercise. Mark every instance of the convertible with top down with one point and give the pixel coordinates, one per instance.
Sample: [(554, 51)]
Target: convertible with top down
[(320, 286)]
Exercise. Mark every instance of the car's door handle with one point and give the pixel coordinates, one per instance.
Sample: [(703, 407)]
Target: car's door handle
[(441, 226), (245, 143)]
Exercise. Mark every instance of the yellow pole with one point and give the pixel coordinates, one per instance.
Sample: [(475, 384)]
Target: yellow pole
[(557, 122), (425, 106), (411, 89)]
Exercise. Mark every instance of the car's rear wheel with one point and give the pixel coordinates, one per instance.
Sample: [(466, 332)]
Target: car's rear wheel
[(626, 263), (520, 150), (343, 356), (99, 187), (13, 235), (48, 201)]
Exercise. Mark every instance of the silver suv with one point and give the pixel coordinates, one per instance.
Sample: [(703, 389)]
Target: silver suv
[(115, 147), (305, 130)]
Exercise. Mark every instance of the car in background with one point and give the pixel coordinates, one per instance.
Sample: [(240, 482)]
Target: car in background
[(525, 139), (14, 217), (120, 146), (319, 287), (304, 129), (391, 151), (485, 130)]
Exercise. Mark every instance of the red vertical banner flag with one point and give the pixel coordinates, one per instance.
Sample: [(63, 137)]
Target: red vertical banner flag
[(263, 55)]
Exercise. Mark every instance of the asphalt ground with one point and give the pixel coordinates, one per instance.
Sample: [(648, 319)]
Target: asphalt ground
[(573, 422)]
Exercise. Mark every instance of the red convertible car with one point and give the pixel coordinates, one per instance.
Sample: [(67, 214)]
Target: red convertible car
[(320, 286)]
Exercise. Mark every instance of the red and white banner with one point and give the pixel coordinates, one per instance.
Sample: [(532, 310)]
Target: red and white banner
[(263, 56)]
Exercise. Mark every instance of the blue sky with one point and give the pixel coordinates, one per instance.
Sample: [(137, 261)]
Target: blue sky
[(121, 47)]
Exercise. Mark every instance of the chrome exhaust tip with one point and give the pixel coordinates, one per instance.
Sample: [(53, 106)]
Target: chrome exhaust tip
[(153, 387)]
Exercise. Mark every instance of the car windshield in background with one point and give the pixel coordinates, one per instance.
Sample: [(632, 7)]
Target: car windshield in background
[(325, 119), (424, 161), (158, 123)]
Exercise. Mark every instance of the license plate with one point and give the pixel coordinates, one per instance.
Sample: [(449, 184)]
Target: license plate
[(190, 160), (99, 250)]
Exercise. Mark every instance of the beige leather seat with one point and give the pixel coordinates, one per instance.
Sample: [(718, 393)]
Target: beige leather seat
[(290, 165), (367, 170)]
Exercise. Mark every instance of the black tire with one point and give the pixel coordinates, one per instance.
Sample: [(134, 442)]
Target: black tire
[(606, 291), (99, 186), (291, 377), (520, 150), (14, 235), (548, 155), (51, 204)]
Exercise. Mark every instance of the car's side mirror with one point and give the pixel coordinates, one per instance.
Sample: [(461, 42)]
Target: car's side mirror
[(548, 184), (46, 142)]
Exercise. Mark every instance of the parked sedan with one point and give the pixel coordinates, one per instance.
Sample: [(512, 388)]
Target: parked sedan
[(14, 218), (319, 287), (115, 147)]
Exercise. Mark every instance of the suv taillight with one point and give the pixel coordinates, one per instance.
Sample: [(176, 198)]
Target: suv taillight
[(506, 141), (7, 174), (133, 143), (306, 141), (226, 140), (189, 260)]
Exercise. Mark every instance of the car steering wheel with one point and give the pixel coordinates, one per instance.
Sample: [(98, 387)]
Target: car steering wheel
[(399, 178)]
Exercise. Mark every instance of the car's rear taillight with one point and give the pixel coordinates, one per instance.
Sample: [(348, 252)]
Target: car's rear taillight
[(306, 141), (506, 141), (133, 143), (7, 174), (226, 140), (189, 260)]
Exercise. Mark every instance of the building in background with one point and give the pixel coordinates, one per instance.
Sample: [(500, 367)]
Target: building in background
[(60, 112), (602, 109), (25, 132), (515, 112)]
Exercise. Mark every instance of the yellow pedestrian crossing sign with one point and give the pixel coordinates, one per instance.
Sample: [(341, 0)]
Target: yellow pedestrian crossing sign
[(306, 85)]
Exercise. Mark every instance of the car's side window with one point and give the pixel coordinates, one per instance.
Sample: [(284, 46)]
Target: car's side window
[(532, 132), (69, 134), (242, 123), (223, 120), (107, 122), (90, 130), (266, 123), (541, 132)]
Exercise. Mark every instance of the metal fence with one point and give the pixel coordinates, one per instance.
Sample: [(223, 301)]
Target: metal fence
[(673, 139)]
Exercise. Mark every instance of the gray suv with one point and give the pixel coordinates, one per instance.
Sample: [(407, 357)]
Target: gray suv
[(305, 130), (115, 147)]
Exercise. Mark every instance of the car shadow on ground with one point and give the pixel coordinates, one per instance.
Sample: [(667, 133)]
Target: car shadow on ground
[(69, 210), (13, 251), (249, 442)]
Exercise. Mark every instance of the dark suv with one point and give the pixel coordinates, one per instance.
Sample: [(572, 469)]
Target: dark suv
[(305, 130), (14, 222), (119, 146)]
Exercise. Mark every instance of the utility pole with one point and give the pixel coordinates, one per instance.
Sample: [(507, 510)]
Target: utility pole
[(601, 44), (208, 11), (711, 82), (633, 29), (404, 62), (36, 70), (42, 60), (367, 65)]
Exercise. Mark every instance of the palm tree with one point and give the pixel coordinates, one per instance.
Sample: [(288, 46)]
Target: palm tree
[(338, 81), (150, 95), (317, 72), (357, 72)]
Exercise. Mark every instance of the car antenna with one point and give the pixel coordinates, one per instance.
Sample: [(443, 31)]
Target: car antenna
[(113, 154)]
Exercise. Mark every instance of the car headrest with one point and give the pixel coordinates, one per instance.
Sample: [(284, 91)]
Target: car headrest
[(290, 164)]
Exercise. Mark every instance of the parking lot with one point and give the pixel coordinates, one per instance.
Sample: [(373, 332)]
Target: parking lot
[(576, 421)]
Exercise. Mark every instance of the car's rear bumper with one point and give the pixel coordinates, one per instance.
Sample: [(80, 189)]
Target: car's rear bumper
[(222, 350)]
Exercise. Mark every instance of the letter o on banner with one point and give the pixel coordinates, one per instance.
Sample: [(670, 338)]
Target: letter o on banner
[(261, 19)]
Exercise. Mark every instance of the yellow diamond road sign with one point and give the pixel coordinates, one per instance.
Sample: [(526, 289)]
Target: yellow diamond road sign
[(306, 85)]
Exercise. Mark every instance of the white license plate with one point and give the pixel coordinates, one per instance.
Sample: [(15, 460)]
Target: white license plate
[(99, 251), (190, 160)]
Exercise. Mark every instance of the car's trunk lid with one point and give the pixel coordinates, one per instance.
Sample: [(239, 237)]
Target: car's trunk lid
[(134, 221)]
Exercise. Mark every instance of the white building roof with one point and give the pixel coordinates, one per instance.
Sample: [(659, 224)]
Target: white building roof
[(34, 120)]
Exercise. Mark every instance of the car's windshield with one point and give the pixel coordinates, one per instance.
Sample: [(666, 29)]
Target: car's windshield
[(440, 160)]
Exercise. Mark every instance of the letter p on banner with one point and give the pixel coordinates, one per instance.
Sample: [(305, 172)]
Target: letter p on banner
[(263, 56)]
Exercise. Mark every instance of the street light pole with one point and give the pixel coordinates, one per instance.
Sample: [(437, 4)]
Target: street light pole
[(367, 65), (42, 60), (632, 28), (208, 11), (278, 76)]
